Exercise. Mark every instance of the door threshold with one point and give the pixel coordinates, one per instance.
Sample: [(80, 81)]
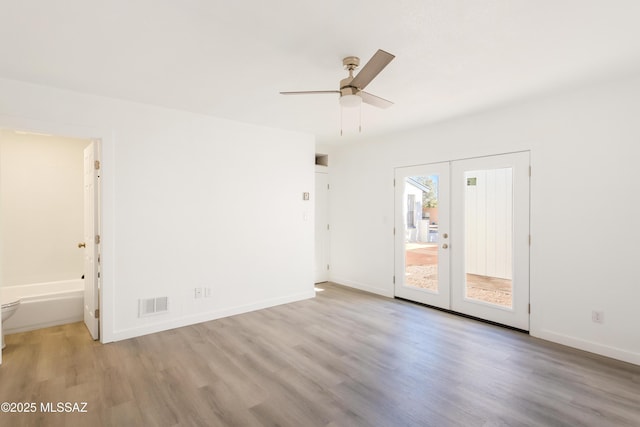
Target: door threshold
[(479, 319)]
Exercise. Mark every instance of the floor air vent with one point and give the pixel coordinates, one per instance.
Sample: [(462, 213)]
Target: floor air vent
[(150, 306)]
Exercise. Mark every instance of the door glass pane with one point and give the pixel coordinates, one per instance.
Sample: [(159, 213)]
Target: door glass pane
[(488, 206), (421, 232)]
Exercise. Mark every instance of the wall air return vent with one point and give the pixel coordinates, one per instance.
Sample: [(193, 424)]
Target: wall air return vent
[(151, 306)]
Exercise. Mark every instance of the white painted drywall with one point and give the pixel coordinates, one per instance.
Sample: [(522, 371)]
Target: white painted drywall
[(41, 203), (585, 206), (188, 201)]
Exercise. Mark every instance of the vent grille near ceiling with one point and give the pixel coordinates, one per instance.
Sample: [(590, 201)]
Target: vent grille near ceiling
[(150, 306)]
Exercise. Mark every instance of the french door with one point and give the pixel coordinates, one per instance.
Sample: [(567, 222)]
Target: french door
[(462, 236), (422, 271)]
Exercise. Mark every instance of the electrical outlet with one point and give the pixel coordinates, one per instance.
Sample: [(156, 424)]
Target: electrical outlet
[(198, 293), (207, 292), (597, 316)]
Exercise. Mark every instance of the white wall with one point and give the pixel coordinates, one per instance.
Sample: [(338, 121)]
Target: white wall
[(41, 203), (585, 206), (188, 201)]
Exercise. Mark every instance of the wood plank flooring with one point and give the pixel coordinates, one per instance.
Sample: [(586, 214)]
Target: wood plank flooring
[(345, 358)]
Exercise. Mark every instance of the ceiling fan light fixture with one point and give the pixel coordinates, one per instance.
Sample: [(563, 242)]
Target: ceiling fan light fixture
[(350, 101)]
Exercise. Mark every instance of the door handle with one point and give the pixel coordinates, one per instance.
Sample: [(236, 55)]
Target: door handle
[(82, 245), (445, 246)]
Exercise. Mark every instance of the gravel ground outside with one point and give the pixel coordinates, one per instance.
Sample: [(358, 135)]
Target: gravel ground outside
[(488, 289)]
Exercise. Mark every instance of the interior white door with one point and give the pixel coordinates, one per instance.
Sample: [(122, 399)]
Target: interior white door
[(490, 238), (91, 240), (422, 234), (322, 228)]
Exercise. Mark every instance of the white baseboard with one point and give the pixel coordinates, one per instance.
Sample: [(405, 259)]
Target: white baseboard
[(362, 287), (205, 317), (590, 346)]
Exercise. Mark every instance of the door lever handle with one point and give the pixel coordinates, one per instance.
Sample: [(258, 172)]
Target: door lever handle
[(82, 245)]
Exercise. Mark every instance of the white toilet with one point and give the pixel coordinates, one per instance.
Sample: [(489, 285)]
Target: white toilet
[(7, 311)]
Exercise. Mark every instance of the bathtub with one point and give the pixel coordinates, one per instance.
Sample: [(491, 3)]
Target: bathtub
[(44, 304)]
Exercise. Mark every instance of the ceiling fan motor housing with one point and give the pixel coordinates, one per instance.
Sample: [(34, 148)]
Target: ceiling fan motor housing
[(350, 63), (346, 88)]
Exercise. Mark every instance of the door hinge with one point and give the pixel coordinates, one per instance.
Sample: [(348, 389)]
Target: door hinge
[(96, 165), (327, 226), (394, 231), (97, 239), (529, 170), (96, 313), (327, 266), (394, 280), (328, 187), (529, 239), (529, 308), (394, 182)]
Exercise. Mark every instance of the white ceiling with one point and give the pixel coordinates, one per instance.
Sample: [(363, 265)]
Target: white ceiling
[(230, 59)]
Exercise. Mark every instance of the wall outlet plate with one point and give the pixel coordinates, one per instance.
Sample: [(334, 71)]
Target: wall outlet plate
[(597, 316), (197, 293)]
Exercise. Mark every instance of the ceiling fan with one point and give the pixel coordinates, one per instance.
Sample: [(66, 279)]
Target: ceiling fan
[(351, 88)]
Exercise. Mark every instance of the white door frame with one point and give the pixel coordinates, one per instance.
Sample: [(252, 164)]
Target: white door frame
[(321, 223)]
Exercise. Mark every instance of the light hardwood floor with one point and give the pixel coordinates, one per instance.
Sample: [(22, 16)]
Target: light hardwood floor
[(345, 358)]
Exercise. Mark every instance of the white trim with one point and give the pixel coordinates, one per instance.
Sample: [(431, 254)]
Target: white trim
[(208, 316), (590, 346), (362, 287)]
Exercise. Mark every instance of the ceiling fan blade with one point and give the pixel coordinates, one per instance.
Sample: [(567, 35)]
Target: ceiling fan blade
[(376, 101), (371, 69), (309, 92)]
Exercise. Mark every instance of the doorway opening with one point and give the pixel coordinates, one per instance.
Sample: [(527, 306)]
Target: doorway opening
[(44, 227)]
